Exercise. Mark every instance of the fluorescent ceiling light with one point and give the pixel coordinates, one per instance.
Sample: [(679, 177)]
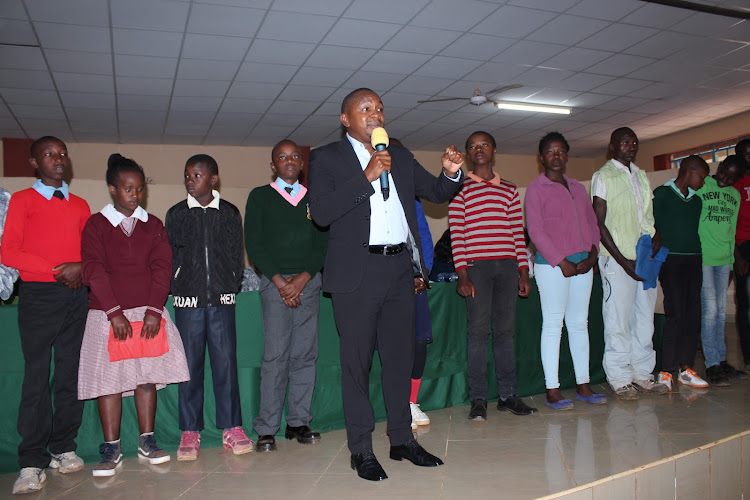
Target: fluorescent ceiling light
[(539, 108)]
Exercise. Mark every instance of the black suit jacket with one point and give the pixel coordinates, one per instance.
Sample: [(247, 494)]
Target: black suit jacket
[(340, 198)]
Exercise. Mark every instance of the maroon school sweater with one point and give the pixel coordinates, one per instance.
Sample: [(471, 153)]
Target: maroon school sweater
[(126, 272)]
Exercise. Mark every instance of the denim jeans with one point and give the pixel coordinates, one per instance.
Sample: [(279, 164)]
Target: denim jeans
[(713, 313), (568, 299)]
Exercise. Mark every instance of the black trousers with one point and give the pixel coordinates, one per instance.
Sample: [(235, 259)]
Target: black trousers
[(381, 308), (741, 284), (215, 327), (681, 278), (51, 316)]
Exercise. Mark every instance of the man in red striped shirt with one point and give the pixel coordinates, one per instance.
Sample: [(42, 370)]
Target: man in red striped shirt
[(489, 252)]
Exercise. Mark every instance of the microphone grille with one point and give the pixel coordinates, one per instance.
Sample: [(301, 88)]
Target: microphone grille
[(379, 136)]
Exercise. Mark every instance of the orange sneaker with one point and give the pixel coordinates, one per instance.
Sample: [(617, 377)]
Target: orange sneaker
[(689, 377), (665, 378)]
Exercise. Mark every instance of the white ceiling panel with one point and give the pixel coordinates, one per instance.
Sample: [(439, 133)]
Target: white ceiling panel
[(553, 5), (529, 53), (310, 93), (265, 73), (234, 105), (299, 109), (620, 65), (583, 82), (568, 30), (88, 12), (513, 22), (16, 31), (422, 40), (365, 34), (618, 37), (198, 88), (576, 59), (149, 15), (445, 67), (224, 20), (479, 47), (703, 24), (655, 16), (321, 77), (394, 11), (287, 26), (453, 14), (396, 62), (146, 67), (423, 85), (327, 7), (279, 52), (30, 96), (12, 9), (622, 86), (104, 102), (377, 81), (76, 82), (197, 104), (663, 44), (329, 56), (15, 57), (141, 102), (68, 61), (205, 69), (144, 86), (24, 111), (609, 10), (146, 43), (24, 79), (72, 37), (226, 48)]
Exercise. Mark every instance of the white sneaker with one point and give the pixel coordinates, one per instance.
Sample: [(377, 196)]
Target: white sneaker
[(418, 416), (30, 479), (649, 385), (66, 462), (413, 425), (665, 378), (689, 377)]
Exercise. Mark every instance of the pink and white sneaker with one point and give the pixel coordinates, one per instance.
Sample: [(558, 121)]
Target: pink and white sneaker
[(190, 446), (236, 439)]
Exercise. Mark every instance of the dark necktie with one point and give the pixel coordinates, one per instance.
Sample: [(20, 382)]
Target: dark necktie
[(58, 194), (288, 190)]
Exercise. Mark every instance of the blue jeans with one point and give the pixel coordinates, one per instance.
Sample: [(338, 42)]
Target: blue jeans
[(713, 313)]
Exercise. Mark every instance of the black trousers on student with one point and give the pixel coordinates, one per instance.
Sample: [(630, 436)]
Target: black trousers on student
[(381, 307), (742, 284), (51, 317), (681, 278)]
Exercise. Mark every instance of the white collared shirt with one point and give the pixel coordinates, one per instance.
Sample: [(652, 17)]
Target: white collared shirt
[(388, 224), (114, 217), (193, 203)]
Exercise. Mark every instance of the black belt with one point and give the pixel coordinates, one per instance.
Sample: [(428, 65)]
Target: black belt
[(386, 249)]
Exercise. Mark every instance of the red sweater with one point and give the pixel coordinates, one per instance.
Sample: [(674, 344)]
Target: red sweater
[(41, 234), (486, 223), (743, 218), (126, 272)]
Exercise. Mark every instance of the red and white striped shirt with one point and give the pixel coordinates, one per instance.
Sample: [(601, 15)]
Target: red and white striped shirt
[(486, 222)]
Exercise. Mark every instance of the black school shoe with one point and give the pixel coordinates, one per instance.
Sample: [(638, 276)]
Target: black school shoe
[(515, 405), (731, 372), (478, 409), (265, 443), (303, 434), (715, 376)]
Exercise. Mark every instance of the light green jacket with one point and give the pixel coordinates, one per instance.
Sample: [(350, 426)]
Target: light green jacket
[(622, 209)]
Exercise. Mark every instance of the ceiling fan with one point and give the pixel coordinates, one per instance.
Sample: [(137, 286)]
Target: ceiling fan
[(478, 98)]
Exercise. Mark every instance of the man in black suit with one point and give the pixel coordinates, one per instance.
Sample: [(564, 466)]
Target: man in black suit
[(373, 257)]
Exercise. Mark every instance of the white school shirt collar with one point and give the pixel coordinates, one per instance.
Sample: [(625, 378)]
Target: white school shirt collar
[(114, 217), (193, 203)]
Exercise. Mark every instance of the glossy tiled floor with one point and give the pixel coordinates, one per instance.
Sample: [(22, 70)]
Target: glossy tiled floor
[(506, 456)]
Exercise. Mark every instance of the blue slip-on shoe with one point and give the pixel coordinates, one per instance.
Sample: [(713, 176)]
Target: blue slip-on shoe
[(594, 399), (563, 404)]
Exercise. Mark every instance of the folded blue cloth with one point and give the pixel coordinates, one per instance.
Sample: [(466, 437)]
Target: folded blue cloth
[(646, 267)]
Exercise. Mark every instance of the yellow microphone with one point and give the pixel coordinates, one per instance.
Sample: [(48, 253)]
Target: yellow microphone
[(379, 141)]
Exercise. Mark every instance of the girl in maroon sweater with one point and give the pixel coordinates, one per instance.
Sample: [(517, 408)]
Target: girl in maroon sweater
[(127, 263)]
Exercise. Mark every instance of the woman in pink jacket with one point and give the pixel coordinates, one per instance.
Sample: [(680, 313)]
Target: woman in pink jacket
[(563, 227)]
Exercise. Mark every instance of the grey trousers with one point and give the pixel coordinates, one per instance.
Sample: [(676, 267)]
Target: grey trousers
[(289, 355)]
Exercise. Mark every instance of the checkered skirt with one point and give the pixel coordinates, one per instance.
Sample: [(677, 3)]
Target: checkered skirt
[(97, 376)]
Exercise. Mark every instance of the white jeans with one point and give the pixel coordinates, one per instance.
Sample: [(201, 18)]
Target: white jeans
[(568, 299), (628, 314)]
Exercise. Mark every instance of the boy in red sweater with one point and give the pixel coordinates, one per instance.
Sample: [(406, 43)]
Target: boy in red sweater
[(42, 239)]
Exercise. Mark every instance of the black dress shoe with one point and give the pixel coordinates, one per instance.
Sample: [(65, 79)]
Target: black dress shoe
[(367, 466), (413, 452), (478, 409), (302, 434), (515, 405), (265, 443)]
